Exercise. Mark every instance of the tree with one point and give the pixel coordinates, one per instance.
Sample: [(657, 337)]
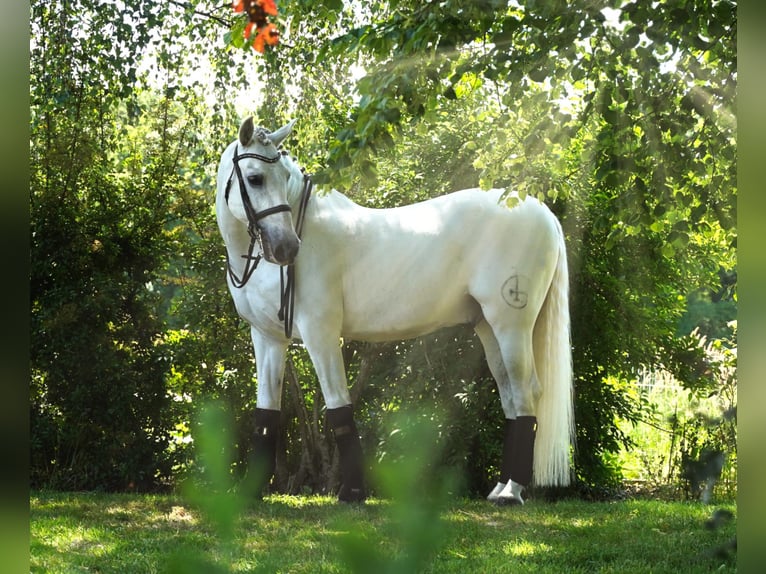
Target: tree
[(641, 167), (619, 117), (97, 243), (107, 185)]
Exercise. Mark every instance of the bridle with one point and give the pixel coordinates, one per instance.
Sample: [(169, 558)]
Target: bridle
[(287, 285), (253, 216)]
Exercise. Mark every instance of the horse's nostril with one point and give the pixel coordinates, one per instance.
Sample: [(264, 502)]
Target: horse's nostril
[(287, 250)]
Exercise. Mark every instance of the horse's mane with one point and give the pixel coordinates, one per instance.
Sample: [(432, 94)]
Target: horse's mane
[(262, 136)]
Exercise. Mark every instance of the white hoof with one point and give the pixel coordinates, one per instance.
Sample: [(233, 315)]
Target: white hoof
[(510, 495), (492, 497)]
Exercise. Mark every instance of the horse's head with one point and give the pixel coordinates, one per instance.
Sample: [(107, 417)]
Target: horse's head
[(258, 196)]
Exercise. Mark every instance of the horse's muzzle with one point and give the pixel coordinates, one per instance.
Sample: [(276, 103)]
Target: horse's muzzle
[(280, 246)]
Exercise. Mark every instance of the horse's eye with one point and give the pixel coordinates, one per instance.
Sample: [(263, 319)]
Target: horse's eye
[(255, 180)]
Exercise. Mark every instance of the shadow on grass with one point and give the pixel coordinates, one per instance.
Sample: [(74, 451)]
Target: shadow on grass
[(401, 535), (137, 533), (416, 527)]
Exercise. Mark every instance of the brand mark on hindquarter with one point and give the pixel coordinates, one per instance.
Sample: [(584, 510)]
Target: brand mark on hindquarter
[(514, 291)]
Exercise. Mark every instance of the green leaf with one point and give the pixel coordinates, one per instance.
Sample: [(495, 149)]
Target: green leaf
[(538, 74), (678, 239)]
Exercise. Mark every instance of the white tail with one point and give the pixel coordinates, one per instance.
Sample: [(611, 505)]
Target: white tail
[(553, 362)]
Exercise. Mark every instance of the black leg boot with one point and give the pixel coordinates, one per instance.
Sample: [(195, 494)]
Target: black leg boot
[(505, 464), (523, 450), (263, 459), (522, 460), (341, 421), (508, 442)]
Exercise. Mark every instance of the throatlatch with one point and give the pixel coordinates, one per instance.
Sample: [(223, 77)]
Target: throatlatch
[(341, 421), (263, 460)]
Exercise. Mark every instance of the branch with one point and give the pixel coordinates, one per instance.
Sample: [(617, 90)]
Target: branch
[(213, 17)]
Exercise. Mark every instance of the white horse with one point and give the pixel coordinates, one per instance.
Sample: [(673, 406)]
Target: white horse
[(390, 274)]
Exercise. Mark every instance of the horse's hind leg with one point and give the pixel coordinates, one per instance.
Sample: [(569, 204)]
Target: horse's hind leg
[(512, 365), (497, 368)]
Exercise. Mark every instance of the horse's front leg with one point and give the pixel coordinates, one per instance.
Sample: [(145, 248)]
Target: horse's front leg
[(270, 366), (327, 358)]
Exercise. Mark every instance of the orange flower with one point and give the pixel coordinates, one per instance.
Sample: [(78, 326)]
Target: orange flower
[(256, 9), (268, 35), (269, 6), (248, 30), (257, 12)]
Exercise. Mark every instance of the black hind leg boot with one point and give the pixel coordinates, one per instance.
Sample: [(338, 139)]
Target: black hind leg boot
[(341, 421), (263, 459), (505, 463), (508, 442), (523, 450), (521, 460)]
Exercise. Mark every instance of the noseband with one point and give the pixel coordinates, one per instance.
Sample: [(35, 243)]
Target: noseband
[(253, 217)]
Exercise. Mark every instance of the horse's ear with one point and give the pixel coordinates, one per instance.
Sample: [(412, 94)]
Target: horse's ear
[(246, 131), (279, 136)]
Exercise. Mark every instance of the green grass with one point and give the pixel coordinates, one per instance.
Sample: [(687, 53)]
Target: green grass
[(127, 533)]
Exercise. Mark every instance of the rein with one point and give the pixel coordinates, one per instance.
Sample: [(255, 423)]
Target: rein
[(287, 287), (287, 284)]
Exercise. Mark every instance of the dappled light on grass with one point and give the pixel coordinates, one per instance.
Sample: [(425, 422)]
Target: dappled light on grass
[(414, 525), (525, 549), (105, 532), (301, 502), (142, 534), (417, 527)]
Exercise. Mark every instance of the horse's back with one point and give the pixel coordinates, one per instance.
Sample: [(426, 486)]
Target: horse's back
[(453, 238), (410, 270)]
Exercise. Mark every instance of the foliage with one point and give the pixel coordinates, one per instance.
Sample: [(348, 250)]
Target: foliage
[(99, 239), (686, 440), (619, 117), (710, 311), (110, 169)]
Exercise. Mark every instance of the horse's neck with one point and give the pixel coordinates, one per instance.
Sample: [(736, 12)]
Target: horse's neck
[(233, 231), (235, 237), (338, 203)]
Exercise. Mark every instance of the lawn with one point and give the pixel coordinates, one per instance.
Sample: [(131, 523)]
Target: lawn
[(131, 533)]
